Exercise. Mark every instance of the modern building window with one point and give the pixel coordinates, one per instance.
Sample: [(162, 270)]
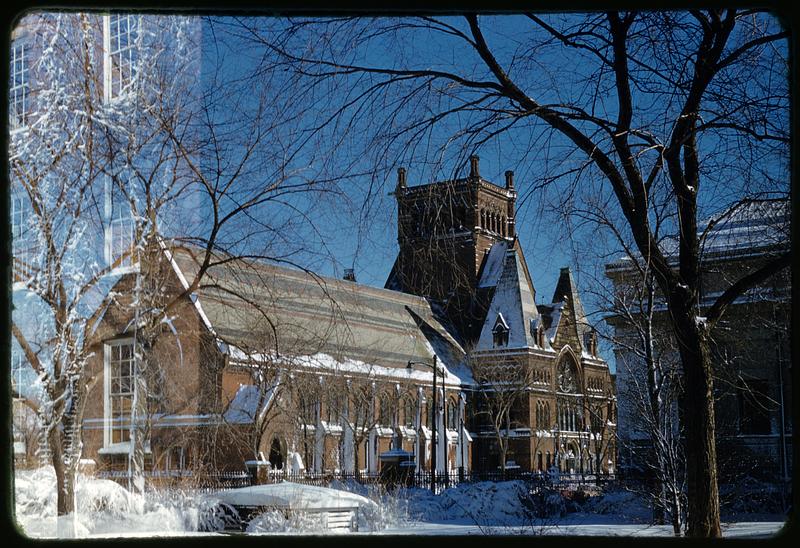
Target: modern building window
[(754, 408), (19, 86), (119, 404), (18, 368), (121, 226), (121, 33), (24, 244)]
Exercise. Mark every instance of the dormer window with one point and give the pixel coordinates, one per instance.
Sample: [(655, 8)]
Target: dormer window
[(500, 331)]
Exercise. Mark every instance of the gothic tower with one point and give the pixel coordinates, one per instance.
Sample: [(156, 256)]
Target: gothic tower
[(445, 231)]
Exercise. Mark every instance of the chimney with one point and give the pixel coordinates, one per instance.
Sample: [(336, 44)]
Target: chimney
[(349, 274), (473, 166), (509, 180), (401, 178)]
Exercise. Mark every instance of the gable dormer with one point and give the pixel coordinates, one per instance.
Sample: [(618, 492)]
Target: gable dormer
[(511, 300), (569, 323), (500, 331)]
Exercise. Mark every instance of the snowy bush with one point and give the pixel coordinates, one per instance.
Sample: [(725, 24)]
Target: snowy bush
[(386, 508), (105, 507), (497, 503)]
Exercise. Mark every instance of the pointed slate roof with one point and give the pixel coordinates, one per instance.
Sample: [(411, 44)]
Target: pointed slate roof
[(567, 290), (513, 300)]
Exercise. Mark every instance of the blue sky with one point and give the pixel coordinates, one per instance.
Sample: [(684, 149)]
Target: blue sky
[(356, 227)]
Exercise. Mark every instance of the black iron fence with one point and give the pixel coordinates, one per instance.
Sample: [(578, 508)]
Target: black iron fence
[(420, 479)]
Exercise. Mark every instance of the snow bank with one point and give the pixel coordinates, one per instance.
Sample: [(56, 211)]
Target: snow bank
[(106, 508), (498, 503)]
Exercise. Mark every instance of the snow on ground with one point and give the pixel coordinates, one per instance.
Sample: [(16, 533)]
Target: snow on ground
[(106, 509)]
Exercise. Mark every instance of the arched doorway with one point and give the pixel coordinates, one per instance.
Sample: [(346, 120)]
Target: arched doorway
[(276, 455)]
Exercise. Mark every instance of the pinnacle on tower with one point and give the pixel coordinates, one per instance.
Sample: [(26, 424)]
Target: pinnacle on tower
[(473, 166), (401, 178), (509, 180)]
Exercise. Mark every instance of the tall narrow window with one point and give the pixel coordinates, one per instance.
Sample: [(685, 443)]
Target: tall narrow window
[(176, 458), (385, 410), (308, 411), (18, 369), (24, 244), (120, 227), (18, 86), (120, 389), (122, 33), (452, 415), (409, 412), (334, 409)]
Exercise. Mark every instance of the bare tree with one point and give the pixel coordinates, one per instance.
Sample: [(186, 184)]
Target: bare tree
[(113, 172), (683, 101), (503, 387), (652, 401)]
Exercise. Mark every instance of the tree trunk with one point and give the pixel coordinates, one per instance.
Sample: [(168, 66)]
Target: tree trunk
[(675, 510), (65, 488), (698, 416)]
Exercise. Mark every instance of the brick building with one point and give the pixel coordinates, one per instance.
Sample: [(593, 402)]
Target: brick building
[(268, 363)]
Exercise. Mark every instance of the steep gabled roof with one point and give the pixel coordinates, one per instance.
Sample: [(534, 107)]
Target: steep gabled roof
[(512, 299), (263, 308), (567, 291)]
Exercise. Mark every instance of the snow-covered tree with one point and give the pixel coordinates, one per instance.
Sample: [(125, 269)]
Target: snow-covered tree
[(131, 140)]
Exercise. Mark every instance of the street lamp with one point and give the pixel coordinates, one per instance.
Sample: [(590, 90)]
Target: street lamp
[(433, 421)]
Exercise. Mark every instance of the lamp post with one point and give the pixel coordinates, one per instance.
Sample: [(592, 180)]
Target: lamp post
[(433, 419)]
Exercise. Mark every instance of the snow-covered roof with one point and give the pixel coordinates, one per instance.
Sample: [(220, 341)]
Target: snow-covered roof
[(512, 302), (316, 316), (567, 292), (493, 267), (292, 495), (247, 403), (120, 448), (753, 227)]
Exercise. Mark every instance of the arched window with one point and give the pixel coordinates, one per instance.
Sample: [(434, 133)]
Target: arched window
[(276, 454), (307, 410), (452, 415), (334, 409), (409, 412), (568, 375), (385, 409), (500, 331)]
